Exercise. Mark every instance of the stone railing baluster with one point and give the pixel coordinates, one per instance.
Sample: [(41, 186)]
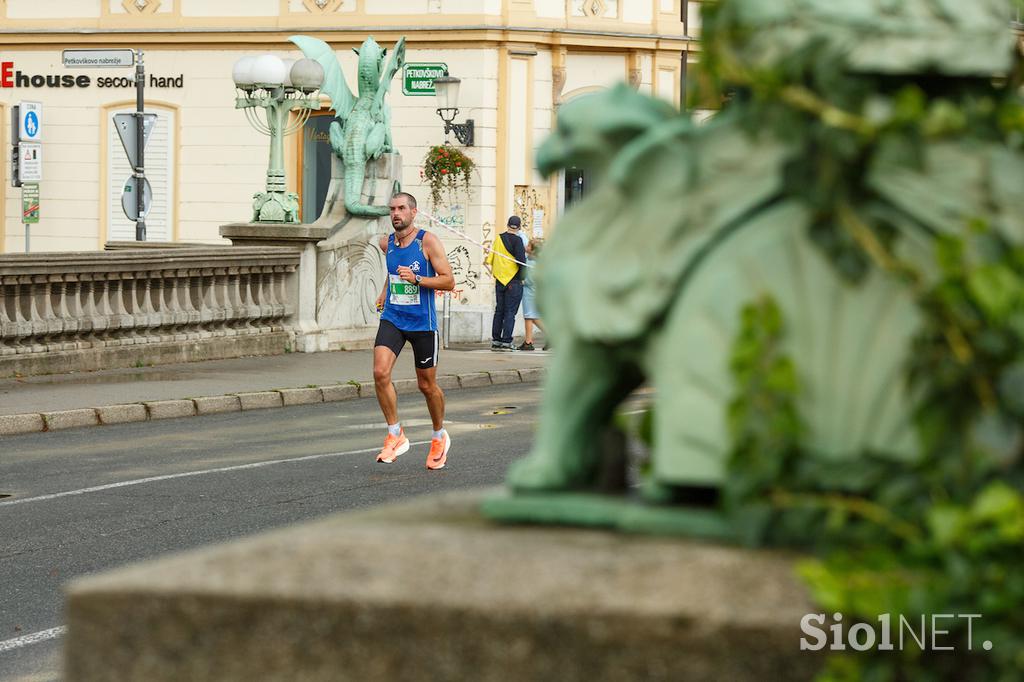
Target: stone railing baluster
[(73, 302)]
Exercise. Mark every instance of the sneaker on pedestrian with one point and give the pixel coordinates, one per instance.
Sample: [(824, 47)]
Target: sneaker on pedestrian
[(526, 346), (393, 447), (507, 347), (439, 451), (495, 345)]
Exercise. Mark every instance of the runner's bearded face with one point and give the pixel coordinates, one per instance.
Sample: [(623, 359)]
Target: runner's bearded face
[(401, 215)]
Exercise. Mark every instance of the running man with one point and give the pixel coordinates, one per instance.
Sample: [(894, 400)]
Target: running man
[(417, 266)]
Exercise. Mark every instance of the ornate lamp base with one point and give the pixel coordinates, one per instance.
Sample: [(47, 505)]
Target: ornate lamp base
[(275, 207)]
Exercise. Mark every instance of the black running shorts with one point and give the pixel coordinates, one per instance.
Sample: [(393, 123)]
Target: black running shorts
[(424, 344)]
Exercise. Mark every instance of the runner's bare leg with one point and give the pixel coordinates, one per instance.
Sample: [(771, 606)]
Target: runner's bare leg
[(383, 362)]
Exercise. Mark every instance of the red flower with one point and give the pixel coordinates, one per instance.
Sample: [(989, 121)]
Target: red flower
[(443, 171), (458, 164)]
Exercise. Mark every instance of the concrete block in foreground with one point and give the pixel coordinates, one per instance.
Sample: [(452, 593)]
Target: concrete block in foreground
[(170, 409), (504, 376), (429, 591), (301, 396), (122, 414), (531, 374), (70, 419), (340, 392), (448, 381), (217, 404), (13, 424), (260, 400), (475, 379), (405, 386)]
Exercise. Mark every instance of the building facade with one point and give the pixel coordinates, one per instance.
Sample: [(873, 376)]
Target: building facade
[(518, 60)]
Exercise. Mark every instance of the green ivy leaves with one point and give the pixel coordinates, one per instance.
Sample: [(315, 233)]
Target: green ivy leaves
[(943, 535)]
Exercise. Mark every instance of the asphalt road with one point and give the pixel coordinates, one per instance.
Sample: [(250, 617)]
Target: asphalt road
[(87, 500)]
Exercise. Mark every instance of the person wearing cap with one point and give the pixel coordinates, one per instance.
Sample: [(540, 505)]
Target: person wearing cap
[(508, 283)]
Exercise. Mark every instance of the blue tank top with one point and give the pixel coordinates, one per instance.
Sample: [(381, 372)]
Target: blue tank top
[(409, 307)]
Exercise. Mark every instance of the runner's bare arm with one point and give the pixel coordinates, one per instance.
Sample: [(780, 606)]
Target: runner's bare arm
[(384, 293), (443, 280)]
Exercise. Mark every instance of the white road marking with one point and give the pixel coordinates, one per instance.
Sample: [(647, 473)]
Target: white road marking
[(34, 638), (187, 474)]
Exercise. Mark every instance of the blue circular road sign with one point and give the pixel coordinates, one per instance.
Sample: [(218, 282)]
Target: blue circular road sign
[(31, 124)]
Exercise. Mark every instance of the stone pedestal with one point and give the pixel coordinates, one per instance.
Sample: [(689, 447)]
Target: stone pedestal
[(350, 265), (343, 269), (302, 238), (428, 590)]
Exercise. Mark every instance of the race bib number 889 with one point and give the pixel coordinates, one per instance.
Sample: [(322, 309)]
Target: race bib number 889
[(402, 292)]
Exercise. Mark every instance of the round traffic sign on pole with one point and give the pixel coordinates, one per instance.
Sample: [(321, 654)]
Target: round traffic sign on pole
[(30, 121), (130, 204)]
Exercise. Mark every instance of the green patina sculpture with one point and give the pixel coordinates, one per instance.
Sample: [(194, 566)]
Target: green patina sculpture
[(857, 133), (361, 129)]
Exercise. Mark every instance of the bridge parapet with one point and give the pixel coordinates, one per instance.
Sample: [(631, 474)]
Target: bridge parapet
[(78, 308)]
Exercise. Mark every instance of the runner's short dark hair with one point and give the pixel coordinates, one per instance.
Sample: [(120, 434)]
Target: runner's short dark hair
[(410, 198)]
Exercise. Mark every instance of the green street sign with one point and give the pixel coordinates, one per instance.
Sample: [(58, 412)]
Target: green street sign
[(418, 79), (30, 202)]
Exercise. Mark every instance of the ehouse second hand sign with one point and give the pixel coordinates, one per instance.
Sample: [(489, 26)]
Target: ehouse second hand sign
[(12, 77)]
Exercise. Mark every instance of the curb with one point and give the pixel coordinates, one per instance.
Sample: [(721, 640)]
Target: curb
[(153, 410)]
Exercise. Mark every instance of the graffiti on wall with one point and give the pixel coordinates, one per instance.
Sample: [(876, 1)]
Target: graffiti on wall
[(464, 267), (531, 207)]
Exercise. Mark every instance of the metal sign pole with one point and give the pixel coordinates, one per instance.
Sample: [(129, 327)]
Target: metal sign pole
[(26, 238), (140, 142)]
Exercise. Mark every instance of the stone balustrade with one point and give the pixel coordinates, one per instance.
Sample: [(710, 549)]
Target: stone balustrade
[(60, 303)]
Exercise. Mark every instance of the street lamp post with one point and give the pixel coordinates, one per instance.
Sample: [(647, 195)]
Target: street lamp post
[(277, 87), (446, 88)]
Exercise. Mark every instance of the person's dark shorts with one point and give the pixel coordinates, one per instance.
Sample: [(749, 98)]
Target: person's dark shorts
[(424, 344)]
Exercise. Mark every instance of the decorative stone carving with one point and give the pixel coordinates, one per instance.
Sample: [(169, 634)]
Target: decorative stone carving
[(350, 266), (139, 7), (323, 6), (591, 8), (557, 84), (635, 78)]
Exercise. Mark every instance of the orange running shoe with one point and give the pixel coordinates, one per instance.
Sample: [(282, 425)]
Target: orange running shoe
[(393, 447), (439, 452)]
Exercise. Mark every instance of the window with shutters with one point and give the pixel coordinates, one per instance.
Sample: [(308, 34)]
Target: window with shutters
[(159, 165)]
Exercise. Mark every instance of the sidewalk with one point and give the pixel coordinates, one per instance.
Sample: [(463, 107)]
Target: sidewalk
[(51, 402)]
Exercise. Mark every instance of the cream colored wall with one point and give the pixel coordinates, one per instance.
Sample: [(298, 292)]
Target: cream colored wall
[(542, 110), (637, 11), (69, 192), (693, 23), (221, 160), (126, 7), (506, 88), (5, 176), (229, 8), (71, 9), (549, 9), (590, 70), (416, 126)]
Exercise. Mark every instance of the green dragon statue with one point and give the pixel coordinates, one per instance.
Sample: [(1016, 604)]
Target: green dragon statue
[(361, 129), (856, 132)]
